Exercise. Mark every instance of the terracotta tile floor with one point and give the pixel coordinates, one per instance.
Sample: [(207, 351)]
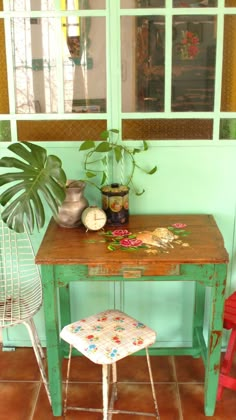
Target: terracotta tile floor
[(178, 383)]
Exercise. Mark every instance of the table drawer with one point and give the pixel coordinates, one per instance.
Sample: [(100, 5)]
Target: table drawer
[(134, 271)]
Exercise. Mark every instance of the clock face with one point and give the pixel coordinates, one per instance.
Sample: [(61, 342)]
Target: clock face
[(93, 218)]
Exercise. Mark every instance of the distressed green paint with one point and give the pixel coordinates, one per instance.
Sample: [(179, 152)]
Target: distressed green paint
[(209, 275), (198, 319), (214, 340), (54, 355)]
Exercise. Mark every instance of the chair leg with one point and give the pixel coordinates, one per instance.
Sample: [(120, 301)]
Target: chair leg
[(113, 390), (229, 355), (224, 380), (105, 390), (38, 351), (67, 380), (152, 385)]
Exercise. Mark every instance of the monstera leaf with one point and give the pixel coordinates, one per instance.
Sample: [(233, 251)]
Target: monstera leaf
[(37, 178)]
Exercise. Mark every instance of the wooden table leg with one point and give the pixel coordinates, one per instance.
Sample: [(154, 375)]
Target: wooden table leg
[(212, 367), (52, 337), (64, 295), (198, 320)]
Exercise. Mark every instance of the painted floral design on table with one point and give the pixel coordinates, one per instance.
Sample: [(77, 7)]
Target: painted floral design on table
[(162, 239)]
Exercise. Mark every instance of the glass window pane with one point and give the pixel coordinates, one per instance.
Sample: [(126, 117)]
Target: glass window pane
[(167, 129), (83, 4), (228, 98), (228, 129), (38, 5), (194, 3), (193, 59), (27, 5), (84, 64), (63, 130), (142, 53), (145, 4), (4, 99), (34, 56), (5, 131)]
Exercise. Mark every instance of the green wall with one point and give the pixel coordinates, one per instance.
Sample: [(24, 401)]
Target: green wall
[(190, 179)]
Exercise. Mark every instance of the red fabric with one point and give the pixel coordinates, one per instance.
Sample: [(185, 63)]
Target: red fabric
[(225, 380)]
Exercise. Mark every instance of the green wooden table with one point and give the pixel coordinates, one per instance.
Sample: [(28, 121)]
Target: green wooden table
[(197, 254)]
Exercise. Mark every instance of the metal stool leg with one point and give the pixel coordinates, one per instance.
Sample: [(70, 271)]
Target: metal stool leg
[(67, 380), (113, 391), (152, 384), (105, 390)]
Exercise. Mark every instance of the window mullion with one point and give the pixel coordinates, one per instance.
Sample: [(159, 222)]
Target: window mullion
[(114, 64), (218, 75), (168, 62)]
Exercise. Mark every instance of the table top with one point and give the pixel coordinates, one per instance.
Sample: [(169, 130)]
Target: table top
[(194, 239)]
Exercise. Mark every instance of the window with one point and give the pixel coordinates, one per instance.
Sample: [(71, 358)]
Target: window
[(158, 69)]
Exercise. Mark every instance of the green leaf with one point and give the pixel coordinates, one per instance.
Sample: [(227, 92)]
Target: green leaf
[(104, 135), (90, 174), (40, 179), (136, 151), (36, 156), (138, 193), (152, 171), (104, 178), (103, 147), (145, 145), (111, 248), (86, 145)]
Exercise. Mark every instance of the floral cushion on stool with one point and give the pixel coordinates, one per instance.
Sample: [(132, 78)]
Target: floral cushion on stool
[(108, 336)]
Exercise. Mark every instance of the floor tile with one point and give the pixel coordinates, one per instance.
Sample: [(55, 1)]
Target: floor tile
[(11, 363), (192, 402), (135, 369), (43, 410), (178, 383), (82, 370), (189, 369), (139, 397), (131, 396), (83, 395), (17, 400)]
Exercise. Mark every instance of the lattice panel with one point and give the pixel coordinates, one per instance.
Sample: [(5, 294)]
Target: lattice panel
[(230, 3), (228, 98), (161, 129), (4, 99), (63, 130)]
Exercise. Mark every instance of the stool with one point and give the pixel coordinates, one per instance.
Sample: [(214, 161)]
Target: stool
[(105, 338), (225, 380)]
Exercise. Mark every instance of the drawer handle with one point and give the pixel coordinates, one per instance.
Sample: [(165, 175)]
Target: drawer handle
[(132, 273)]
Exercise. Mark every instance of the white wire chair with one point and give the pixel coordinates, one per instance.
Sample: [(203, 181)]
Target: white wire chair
[(20, 288)]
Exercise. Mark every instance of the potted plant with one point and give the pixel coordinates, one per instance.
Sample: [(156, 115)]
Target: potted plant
[(96, 162), (38, 178), (110, 156)]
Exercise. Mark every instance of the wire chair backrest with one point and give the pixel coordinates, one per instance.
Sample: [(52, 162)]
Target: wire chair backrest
[(20, 281)]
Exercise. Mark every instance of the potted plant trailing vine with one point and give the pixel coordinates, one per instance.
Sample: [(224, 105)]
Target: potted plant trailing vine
[(112, 154), (38, 178), (97, 155)]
